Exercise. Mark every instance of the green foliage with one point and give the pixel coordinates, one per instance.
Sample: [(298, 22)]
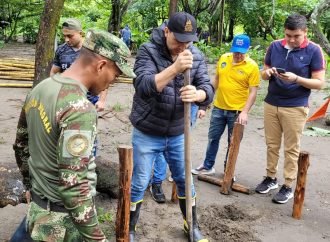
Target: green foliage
[(146, 14), (107, 223), (138, 38), (29, 30), (212, 53), (23, 16), (118, 107), (2, 43), (104, 217)]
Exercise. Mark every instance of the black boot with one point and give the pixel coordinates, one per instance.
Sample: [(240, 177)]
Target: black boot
[(133, 218), (197, 236)]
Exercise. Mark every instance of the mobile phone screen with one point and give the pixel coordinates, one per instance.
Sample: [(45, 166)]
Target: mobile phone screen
[(280, 70)]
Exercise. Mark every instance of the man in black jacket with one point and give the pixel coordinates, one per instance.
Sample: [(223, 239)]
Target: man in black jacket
[(157, 113)]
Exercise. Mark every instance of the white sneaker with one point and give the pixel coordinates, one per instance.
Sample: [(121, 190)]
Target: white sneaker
[(202, 170)]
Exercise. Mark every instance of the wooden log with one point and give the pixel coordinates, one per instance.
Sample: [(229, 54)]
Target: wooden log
[(216, 181), (235, 141), (124, 200), (299, 194), (174, 197)]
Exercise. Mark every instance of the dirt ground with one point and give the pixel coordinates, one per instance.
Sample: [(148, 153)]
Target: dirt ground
[(236, 217)]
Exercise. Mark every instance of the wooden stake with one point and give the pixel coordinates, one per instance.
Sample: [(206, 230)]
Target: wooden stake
[(174, 197), (299, 194), (216, 181), (187, 128), (124, 199), (235, 142)]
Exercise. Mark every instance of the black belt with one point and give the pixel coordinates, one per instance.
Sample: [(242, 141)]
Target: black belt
[(48, 205), (231, 111)]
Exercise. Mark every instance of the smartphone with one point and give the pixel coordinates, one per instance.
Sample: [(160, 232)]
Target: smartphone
[(280, 70)]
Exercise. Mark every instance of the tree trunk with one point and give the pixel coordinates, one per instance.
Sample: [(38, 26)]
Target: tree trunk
[(45, 40), (114, 24), (222, 14), (231, 28), (315, 20), (173, 7), (119, 8)]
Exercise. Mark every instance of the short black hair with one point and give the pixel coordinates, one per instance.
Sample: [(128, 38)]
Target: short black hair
[(295, 21)]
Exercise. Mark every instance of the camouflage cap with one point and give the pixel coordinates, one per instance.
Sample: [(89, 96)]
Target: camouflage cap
[(109, 46), (72, 24)]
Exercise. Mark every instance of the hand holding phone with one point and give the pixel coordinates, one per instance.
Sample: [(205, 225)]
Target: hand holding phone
[(280, 70)]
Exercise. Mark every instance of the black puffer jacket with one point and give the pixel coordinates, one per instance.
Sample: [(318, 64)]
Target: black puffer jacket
[(161, 113)]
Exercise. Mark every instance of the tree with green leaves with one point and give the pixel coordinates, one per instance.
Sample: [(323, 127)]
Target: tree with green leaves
[(315, 22)]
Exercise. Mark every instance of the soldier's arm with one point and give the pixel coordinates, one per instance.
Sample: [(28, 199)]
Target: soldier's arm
[(22, 150), (77, 169)]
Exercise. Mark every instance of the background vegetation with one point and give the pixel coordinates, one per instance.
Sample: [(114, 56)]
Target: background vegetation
[(260, 19)]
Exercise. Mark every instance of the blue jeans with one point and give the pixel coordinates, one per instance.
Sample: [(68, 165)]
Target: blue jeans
[(146, 148), (160, 164), (21, 234), (219, 120)]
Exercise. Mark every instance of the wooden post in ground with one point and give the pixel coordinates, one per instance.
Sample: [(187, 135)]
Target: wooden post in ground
[(235, 141), (124, 199), (299, 194), (174, 197)]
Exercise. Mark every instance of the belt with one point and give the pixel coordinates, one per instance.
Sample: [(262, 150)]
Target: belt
[(231, 111), (48, 205)]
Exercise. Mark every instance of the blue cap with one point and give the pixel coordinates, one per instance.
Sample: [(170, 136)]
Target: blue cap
[(241, 44)]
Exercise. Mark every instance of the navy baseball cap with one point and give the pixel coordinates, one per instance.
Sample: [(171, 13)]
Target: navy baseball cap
[(241, 44), (184, 27)]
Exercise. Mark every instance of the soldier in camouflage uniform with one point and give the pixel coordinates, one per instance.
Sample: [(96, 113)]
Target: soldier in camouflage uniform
[(54, 141)]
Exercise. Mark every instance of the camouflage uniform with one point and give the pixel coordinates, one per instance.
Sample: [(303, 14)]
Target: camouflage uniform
[(55, 134)]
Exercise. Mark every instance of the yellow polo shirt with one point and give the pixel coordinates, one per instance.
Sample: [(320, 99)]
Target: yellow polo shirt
[(234, 82)]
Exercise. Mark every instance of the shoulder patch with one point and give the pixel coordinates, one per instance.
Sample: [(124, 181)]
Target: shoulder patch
[(77, 143)]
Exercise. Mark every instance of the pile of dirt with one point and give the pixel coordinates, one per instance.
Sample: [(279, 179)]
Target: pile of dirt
[(228, 223)]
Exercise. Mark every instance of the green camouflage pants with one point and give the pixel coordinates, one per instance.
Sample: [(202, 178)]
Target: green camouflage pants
[(51, 226)]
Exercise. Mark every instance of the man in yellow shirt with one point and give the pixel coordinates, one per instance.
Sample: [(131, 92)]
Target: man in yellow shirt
[(236, 83)]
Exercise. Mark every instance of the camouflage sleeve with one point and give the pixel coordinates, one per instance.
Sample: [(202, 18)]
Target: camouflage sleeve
[(77, 167), (22, 150)]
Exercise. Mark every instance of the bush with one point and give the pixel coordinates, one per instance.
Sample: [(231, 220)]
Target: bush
[(213, 53)]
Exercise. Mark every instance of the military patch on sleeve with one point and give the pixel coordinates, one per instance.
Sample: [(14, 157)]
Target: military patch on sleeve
[(77, 143)]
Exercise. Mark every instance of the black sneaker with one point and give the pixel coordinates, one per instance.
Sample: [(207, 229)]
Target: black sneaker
[(283, 195), (157, 193), (266, 185)]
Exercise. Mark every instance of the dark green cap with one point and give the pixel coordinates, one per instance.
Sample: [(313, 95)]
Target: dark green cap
[(111, 47)]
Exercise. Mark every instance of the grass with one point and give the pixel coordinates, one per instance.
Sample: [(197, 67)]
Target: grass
[(2, 141), (107, 223), (118, 107)]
